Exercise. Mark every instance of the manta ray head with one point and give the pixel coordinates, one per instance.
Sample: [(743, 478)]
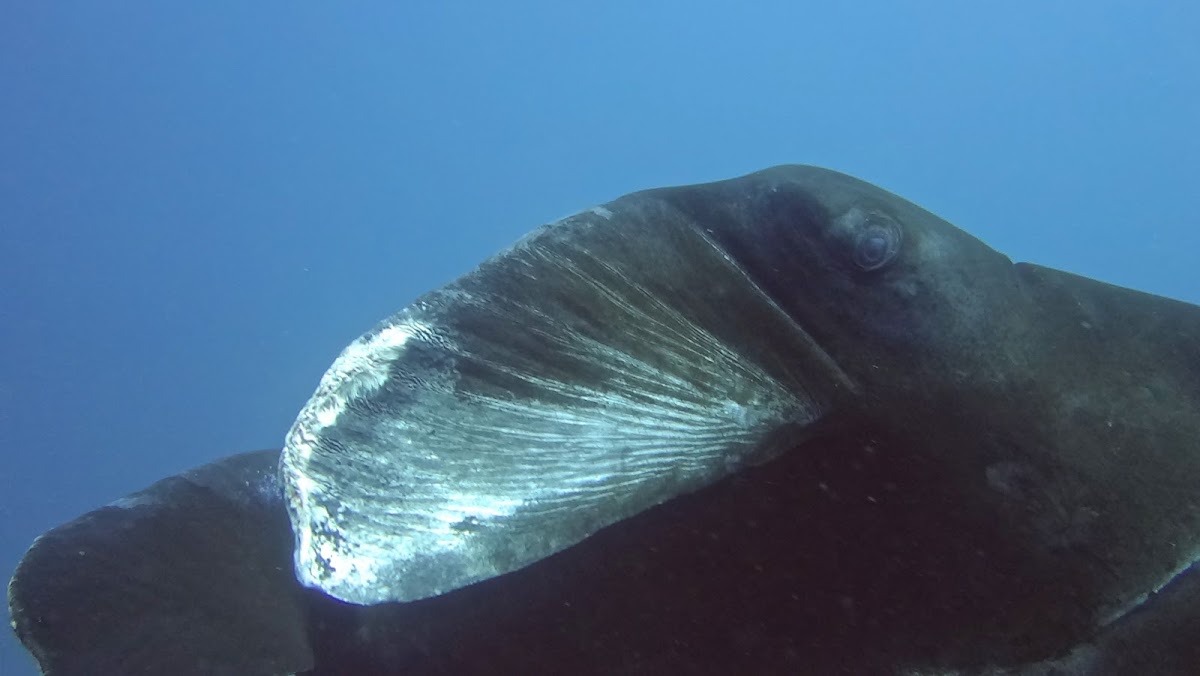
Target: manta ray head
[(899, 298), (618, 358)]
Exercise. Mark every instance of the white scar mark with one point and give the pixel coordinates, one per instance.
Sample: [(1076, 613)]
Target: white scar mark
[(359, 371)]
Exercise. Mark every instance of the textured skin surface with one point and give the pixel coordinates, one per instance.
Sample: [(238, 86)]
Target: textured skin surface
[(597, 368)]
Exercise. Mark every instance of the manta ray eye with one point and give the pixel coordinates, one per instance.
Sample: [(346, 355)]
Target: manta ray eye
[(876, 245)]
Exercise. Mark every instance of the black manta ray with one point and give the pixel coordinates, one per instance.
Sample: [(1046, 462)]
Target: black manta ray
[(785, 423)]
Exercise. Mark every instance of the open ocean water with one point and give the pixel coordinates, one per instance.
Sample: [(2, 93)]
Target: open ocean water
[(201, 203)]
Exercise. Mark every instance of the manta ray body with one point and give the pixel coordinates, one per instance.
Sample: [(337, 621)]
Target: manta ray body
[(783, 423)]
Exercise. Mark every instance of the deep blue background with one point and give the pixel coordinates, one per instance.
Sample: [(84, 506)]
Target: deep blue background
[(201, 203)]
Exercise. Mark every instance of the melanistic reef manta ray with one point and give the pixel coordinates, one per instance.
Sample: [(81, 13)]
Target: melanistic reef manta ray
[(785, 423)]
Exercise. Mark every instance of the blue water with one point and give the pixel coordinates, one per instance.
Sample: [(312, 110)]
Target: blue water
[(200, 204)]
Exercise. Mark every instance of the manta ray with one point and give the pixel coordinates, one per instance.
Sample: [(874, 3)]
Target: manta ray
[(783, 423)]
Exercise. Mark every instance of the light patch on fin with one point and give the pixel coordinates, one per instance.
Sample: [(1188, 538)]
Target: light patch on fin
[(480, 483), (360, 370), (578, 378)]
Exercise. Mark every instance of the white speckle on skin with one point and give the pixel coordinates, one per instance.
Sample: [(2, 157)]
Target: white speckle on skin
[(359, 371)]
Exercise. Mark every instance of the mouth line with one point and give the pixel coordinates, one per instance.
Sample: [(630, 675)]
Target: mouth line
[(827, 367)]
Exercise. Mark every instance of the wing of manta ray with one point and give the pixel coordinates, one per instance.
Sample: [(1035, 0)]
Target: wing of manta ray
[(189, 576), (784, 423)]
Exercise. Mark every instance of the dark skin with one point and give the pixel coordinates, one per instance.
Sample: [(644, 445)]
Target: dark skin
[(1002, 467)]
